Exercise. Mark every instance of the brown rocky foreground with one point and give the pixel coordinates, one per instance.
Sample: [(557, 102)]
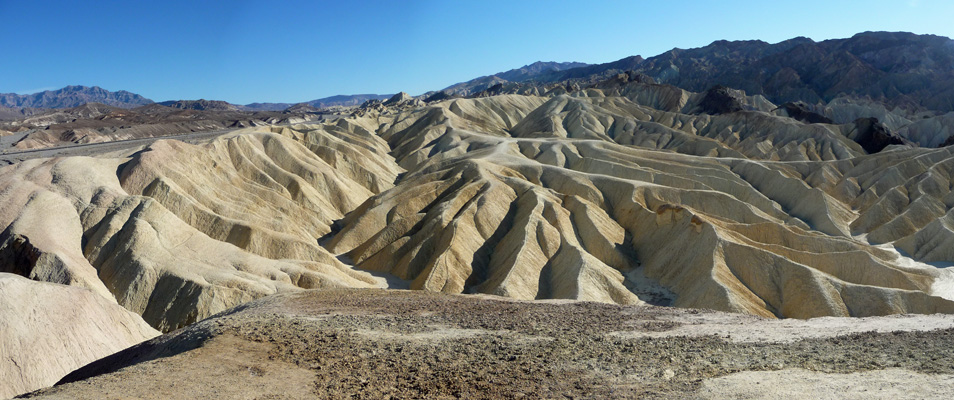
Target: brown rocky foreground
[(411, 344)]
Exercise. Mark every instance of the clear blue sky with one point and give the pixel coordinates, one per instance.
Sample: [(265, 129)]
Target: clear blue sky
[(274, 51)]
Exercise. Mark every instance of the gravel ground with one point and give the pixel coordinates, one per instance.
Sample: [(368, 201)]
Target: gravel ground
[(401, 344)]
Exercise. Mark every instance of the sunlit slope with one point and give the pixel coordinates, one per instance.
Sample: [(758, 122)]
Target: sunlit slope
[(596, 195), (49, 330), (179, 232), (744, 212)]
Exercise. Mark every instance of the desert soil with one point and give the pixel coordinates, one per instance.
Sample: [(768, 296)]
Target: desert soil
[(403, 344)]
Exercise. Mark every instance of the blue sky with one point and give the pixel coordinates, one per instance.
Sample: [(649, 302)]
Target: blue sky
[(249, 51)]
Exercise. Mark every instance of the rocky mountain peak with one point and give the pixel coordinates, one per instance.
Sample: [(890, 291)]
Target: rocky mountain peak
[(73, 96)]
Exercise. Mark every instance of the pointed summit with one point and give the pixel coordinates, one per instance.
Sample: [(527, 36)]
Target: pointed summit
[(398, 98)]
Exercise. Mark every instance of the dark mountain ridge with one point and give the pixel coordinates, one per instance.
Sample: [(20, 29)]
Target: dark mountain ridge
[(73, 96), (590, 73), (530, 72), (14, 106), (538, 68), (201, 104), (899, 69), (341, 100), (346, 100)]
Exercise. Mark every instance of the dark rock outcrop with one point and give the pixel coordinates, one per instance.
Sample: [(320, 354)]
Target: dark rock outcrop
[(947, 142), (18, 255), (617, 81), (721, 100), (438, 96), (801, 112), (873, 136)]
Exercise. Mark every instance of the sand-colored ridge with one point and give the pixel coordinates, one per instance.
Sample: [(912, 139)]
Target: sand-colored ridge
[(530, 197), (48, 330), (594, 195), (180, 232), (725, 222)]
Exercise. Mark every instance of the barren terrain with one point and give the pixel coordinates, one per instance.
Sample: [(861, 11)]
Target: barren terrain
[(412, 344)]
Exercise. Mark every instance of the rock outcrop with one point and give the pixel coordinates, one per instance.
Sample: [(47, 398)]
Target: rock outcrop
[(802, 112), (873, 136), (721, 100)]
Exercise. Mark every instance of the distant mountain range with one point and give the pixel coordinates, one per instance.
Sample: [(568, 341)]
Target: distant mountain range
[(895, 68), (73, 96), (333, 101), (16, 105), (526, 73), (201, 104), (900, 69)]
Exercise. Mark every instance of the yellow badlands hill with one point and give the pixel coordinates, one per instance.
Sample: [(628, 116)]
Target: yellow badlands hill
[(48, 330), (590, 196), (615, 195)]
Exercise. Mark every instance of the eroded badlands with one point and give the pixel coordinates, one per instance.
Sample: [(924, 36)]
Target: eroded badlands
[(620, 195)]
